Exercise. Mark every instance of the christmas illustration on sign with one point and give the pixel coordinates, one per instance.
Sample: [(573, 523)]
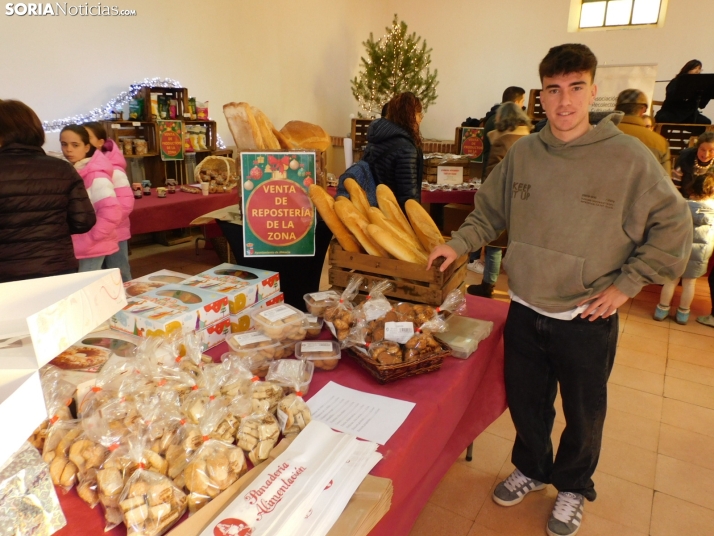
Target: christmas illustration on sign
[(279, 218)]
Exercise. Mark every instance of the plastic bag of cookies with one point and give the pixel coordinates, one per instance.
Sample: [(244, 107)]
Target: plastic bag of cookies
[(281, 322), (338, 317), (293, 414), (257, 435)]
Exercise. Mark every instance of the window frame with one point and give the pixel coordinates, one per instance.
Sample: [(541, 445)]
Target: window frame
[(576, 7)]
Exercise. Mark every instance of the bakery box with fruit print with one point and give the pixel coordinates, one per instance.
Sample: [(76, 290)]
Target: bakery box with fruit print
[(241, 285), (152, 281), (171, 308)]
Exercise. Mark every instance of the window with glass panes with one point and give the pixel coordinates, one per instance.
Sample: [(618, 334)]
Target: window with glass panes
[(603, 13)]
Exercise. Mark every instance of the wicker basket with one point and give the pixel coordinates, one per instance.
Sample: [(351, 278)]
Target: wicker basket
[(220, 244), (389, 373)]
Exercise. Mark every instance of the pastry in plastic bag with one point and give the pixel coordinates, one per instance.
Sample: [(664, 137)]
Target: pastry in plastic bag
[(257, 435), (339, 316), (293, 414)]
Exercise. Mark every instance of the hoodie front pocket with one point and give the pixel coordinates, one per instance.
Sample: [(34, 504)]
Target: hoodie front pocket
[(544, 277)]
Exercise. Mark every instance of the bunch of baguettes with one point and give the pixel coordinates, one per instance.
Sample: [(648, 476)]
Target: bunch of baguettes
[(383, 231)]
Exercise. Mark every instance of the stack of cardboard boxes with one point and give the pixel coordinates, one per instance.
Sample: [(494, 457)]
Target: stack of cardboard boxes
[(214, 303)]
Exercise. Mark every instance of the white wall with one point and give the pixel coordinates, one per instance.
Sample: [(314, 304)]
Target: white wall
[(294, 60)]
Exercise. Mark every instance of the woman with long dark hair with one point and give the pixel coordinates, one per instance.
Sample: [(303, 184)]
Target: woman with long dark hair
[(675, 110), (394, 148), (43, 201), (694, 162)]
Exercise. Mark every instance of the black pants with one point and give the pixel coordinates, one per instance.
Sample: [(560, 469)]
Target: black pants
[(540, 353)]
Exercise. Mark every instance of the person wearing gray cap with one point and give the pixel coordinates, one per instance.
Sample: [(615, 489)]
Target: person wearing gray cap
[(633, 103)]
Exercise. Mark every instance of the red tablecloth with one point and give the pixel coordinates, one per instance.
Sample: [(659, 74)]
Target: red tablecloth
[(462, 197), (152, 214), (453, 406)]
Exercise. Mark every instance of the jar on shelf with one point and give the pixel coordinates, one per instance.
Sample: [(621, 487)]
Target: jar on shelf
[(127, 146), (140, 147)]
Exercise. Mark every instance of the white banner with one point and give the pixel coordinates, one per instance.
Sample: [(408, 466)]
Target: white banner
[(612, 79)]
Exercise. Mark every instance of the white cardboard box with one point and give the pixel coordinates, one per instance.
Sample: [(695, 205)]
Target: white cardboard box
[(40, 318), (57, 311)]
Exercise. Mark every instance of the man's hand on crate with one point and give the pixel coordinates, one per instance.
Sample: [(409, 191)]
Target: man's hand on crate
[(445, 251)]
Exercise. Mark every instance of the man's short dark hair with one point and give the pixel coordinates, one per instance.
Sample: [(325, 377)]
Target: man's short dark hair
[(512, 94), (566, 59), (20, 124)]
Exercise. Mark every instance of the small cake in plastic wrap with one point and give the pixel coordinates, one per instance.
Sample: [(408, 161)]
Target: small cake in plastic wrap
[(338, 317)]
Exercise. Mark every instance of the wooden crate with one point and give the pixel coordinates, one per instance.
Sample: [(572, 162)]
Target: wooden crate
[(411, 281), (358, 134), (180, 94), (535, 109)]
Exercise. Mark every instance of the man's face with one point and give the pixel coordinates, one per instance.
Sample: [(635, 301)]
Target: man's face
[(566, 100)]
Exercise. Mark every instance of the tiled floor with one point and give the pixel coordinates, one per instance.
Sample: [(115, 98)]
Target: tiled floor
[(657, 461)]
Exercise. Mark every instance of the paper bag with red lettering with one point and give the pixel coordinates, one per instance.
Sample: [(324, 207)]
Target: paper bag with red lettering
[(283, 494)]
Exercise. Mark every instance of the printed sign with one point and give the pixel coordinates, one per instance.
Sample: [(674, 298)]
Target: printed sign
[(278, 216), (449, 175), (472, 143), (170, 140)]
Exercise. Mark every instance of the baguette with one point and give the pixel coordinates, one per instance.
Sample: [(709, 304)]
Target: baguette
[(243, 125), (357, 196), (357, 224), (324, 204), (378, 218), (390, 207), (270, 142), (394, 246), (426, 230)]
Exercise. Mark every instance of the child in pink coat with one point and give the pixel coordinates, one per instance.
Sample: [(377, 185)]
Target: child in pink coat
[(95, 169), (122, 189)]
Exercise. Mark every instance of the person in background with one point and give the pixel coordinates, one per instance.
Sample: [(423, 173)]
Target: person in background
[(591, 219), (708, 320), (122, 189), (633, 103), (648, 121), (676, 110), (700, 199), (394, 148), (96, 171), (511, 124), (694, 162), (516, 95), (43, 201)]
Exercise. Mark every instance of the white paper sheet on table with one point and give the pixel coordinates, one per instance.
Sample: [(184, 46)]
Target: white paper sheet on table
[(371, 417)]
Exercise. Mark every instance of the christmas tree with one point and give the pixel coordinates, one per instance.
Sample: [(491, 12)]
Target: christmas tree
[(396, 63)]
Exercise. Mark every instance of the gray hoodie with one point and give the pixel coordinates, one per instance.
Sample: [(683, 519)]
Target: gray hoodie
[(581, 216)]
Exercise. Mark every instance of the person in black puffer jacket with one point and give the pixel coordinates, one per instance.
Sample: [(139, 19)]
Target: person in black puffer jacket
[(393, 149), (42, 201)]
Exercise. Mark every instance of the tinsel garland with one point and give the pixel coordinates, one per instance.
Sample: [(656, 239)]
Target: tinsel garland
[(104, 113)]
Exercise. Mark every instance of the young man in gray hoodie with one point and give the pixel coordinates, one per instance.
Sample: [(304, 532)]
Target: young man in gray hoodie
[(591, 219)]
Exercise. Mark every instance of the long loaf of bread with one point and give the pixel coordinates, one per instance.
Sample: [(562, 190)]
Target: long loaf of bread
[(243, 126), (426, 230), (324, 204), (357, 225), (378, 218), (357, 196), (270, 142), (394, 246), (390, 207)]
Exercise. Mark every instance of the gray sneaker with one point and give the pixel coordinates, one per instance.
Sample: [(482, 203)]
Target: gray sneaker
[(567, 514), (512, 490)]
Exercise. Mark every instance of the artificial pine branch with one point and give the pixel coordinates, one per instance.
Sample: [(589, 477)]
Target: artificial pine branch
[(396, 63)]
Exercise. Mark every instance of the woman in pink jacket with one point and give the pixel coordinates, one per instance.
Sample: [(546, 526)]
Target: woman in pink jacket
[(95, 169), (122, 189)]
